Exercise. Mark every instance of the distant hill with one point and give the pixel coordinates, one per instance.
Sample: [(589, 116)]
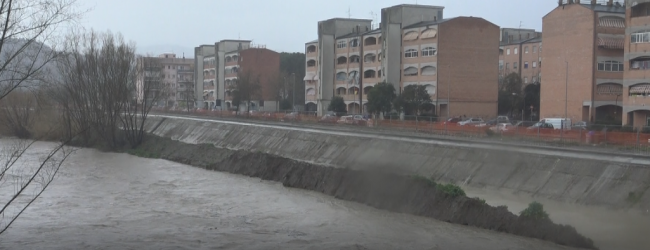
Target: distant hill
[(35, 53)]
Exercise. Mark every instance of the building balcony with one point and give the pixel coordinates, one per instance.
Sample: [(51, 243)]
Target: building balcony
[(231, 63), (209, 66), (208, 87), (310, 98), (185, 71), (232, 74)]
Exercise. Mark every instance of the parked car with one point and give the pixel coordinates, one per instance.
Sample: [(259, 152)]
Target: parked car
[(502, 119), (471, 121), (582, 125), (492, 122), (293, 116), (346, 119), (329, 118), (503, 127), (453, 120), (541, 125)]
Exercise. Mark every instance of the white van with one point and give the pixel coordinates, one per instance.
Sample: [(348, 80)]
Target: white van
[(557, 122)]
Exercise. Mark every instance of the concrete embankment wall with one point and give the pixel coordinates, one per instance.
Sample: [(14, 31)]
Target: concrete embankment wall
[(613, 184)]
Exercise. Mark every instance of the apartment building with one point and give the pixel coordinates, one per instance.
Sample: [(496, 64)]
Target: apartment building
[(217, 73), (410, 46), (583, 61), (636, 86), (172, 72), (311, 76), (520, 52)]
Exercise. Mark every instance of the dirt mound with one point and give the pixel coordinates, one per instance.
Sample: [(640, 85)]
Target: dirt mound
[(404, 194)]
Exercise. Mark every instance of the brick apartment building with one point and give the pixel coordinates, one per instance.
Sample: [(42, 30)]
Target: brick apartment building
[(583, 60), (175, 75), (413, 45), (520, 52), (636, 90), (217, 69)]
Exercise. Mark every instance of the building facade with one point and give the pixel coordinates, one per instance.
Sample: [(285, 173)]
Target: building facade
[(174, 76), (520, 52), (636, 87), (217, 71), (583, 61), (413, 45)]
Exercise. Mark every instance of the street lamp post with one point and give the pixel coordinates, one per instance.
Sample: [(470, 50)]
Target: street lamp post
[(566, 100), (293, 86)]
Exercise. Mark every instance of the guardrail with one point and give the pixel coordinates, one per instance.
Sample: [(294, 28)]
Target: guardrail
[(636, 142)]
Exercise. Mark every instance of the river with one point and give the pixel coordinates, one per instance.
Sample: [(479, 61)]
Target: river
[(117, 201)]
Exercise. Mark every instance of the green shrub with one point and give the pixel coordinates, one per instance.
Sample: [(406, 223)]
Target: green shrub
[(481, 200), (451, 189), (633, 197), (489, 132), (535, 210), (426, 180)]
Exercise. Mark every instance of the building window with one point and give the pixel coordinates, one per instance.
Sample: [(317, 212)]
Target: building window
[(507, 66), (534, 79), (341, 76), (500, 65), (507, 51), (429, 51), (514, 65), (428, 71), (354, 43), (354, 59), (311, 63), (369, 74), (369, 58), (342, 60), (526, 49), (411, 53), (613, 66), (534, 64), (341, 44), (516, 50), (640, 64), (525, 79), (534, 49), (525, 65), (540, 48), (640, 37), (411, 71)]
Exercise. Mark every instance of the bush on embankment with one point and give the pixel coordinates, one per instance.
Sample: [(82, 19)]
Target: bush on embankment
[(405, 194)]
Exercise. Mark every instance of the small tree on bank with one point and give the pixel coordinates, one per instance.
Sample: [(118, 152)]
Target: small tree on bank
[(412, 99), (380, 98), (247, 87), (337, 105)]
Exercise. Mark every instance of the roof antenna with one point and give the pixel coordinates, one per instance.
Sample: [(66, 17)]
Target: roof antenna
[(349, 13)]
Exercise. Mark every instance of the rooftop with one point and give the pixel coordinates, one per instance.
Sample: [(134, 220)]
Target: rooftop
[(417, 6), (615, 8), (427, 23)]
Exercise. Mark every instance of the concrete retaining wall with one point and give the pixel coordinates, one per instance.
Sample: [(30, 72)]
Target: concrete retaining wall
[(613, 184)]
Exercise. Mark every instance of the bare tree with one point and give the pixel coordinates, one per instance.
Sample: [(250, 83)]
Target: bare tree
[(27, 48), (108, 88), (278, 86), (141, 97), (247, 87)]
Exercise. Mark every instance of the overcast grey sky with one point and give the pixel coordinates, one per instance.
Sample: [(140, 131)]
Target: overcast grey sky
[(282, 25)]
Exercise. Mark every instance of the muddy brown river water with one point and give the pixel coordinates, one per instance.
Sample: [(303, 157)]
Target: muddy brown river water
[(117, 201)]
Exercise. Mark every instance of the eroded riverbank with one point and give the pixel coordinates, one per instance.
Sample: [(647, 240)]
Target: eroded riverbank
[(118, 201)]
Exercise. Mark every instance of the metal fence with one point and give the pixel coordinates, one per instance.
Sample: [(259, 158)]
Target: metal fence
[(595, 137)]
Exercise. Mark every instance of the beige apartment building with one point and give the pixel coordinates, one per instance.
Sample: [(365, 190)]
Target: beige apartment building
[(175, 79), (584, 61), (636, 87), (413, 45)]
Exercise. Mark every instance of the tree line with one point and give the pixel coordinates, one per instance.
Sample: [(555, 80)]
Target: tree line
[(383, 99)]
